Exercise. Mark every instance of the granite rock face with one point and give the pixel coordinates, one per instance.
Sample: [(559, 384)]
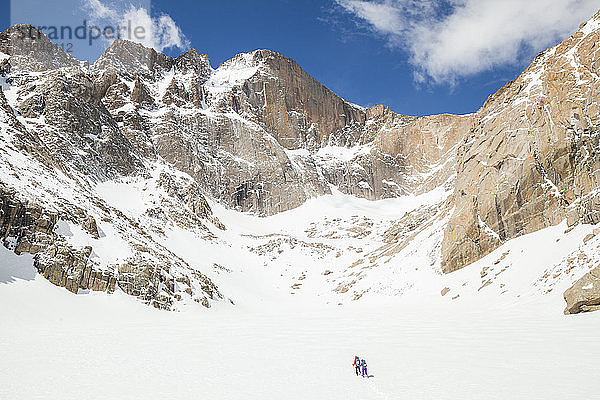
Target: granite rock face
[(30, 50), (290, 105), (531, 156), (260, 134)]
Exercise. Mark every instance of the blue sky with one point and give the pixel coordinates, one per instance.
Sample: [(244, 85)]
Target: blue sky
[(418, 57)]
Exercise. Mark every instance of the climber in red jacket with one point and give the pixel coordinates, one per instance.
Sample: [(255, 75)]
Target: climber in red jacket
[(356, 365)]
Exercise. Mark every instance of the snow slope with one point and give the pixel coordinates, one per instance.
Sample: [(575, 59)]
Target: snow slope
[(336, 241), (59, 345)]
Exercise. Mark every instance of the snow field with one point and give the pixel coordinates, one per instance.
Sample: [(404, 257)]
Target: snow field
[(59, 345)]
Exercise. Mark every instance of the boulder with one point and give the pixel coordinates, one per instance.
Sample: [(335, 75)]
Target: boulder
[(584, 295)]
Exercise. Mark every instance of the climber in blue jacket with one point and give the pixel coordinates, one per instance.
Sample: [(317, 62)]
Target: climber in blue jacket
[(363, 364)]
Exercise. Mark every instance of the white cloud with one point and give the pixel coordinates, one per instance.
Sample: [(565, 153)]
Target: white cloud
[(159, 33), (450, 39), (384, 17), (99, 10)]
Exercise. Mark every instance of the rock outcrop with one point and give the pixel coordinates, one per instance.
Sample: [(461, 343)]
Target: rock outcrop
[(584, 295), (24, 228), (29, 228)]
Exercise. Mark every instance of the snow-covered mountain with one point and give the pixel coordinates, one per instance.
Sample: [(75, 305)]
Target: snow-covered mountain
[(179, 184)]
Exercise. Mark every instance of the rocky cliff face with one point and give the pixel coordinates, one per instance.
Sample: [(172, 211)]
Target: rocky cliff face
[(530, 158), (295, 109), (259, 133)]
